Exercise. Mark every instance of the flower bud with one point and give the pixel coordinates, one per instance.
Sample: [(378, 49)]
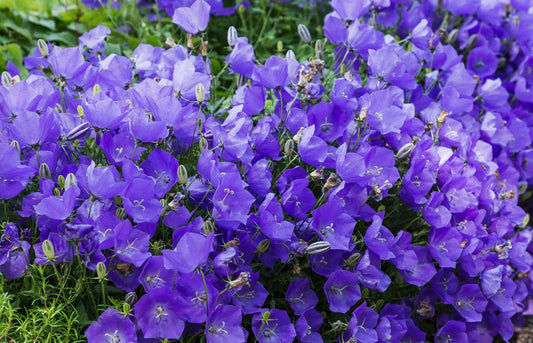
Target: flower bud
[(7, 80), (379, 305), (279, 46), (452, 36), (101, 271), (131, 298), (405, 151), (241, 80), (303, 31), (79, 131), (44, 171), (353, 259), (183, 176), (471, 43), (434, 40), (318, 247), (290, 55), (81, 112), (56, 191), (61, 181), (319, 50), (208, 227), (70, 180), (365, 292), (232, 36), (126, 308), (442, 117), (288, 148), (43, 47), (48, 250), (200, 93), (16, 145), (263, 246), (202, 143)]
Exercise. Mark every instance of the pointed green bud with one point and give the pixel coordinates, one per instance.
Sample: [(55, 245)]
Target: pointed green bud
[(365, 293), (353, 259), (280, 46), (48, 250), (319, 50), (81, 112), (44, 171), (200, 93), (70, 180), (61, 182), (43, 47), (56, 191), (263, 246), (288, 148), (183, 176), (304, 33), (7, 80), (101, 271)]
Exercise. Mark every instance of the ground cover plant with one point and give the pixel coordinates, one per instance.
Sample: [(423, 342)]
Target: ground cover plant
[(270, 171)]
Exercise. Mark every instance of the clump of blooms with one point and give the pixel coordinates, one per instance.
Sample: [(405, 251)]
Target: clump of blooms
[(370, 198)]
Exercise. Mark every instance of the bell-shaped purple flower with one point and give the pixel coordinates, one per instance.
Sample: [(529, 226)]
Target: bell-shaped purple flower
[(300, 296), (342, 290), (193, 19), (163, 167), (111, 326), (13, 176), (333, 225), (452, 331), (191, 251), (470, 302), (224, 325), (273, 326)]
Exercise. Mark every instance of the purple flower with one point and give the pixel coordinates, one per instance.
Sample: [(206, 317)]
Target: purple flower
[(200, 297), (362, 324), (333, 225), (193, 19), (273, 74), (95, 38), (308, 325), (58, 207), (452, 331), (140, 202), (131, 245), (13, 176), (342, 290), (191, 250), (111, 327), (300, 296), (224, 325), (163, 167), (470, 302), (159, 313), (445, 246), (350, 10), (272, 326), (379, 239)]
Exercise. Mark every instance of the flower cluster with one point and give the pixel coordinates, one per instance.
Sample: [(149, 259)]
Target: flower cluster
[(386, 182)]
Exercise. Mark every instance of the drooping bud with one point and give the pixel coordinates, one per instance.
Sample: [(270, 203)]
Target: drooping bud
[(7, 80), (79, 131), (43, 47), (319, 50), (405, 151), (290, 55), (200, 93), (263, 246), (288, 148), (48, 250), (303, 31), (16, 145), (183, 176), (131, 298), (208, 227), (279, 45), (353, 259), (101, 271), (170, 42), (232, 36), (44, 171), (318, 247), (61, 181)]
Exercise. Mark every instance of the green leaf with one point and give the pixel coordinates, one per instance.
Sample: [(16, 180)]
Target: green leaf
[(47, 23), (12, 52)]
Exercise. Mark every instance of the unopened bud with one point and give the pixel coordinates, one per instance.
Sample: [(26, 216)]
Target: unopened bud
[(81, 111), (131, 298), (405, 151), (452, 36), (101, 271), (183, 176), (232, 36), (208, 227), (353, 259), (434, 39), (79, 131), (202, 143), (44, 171), (318, 247), (16, 145), (290, 55), (379, 305), (298, 136), (48, 250), (471, 43), (7, 80), (362, 115), (200, 93), (365, 293), (61, 181), (170, 42), (442, 117), (43, 47), (280, 46), (263, 246), (288, 148), (56, 191), (303, 31), (241, 80), (319, 50)]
